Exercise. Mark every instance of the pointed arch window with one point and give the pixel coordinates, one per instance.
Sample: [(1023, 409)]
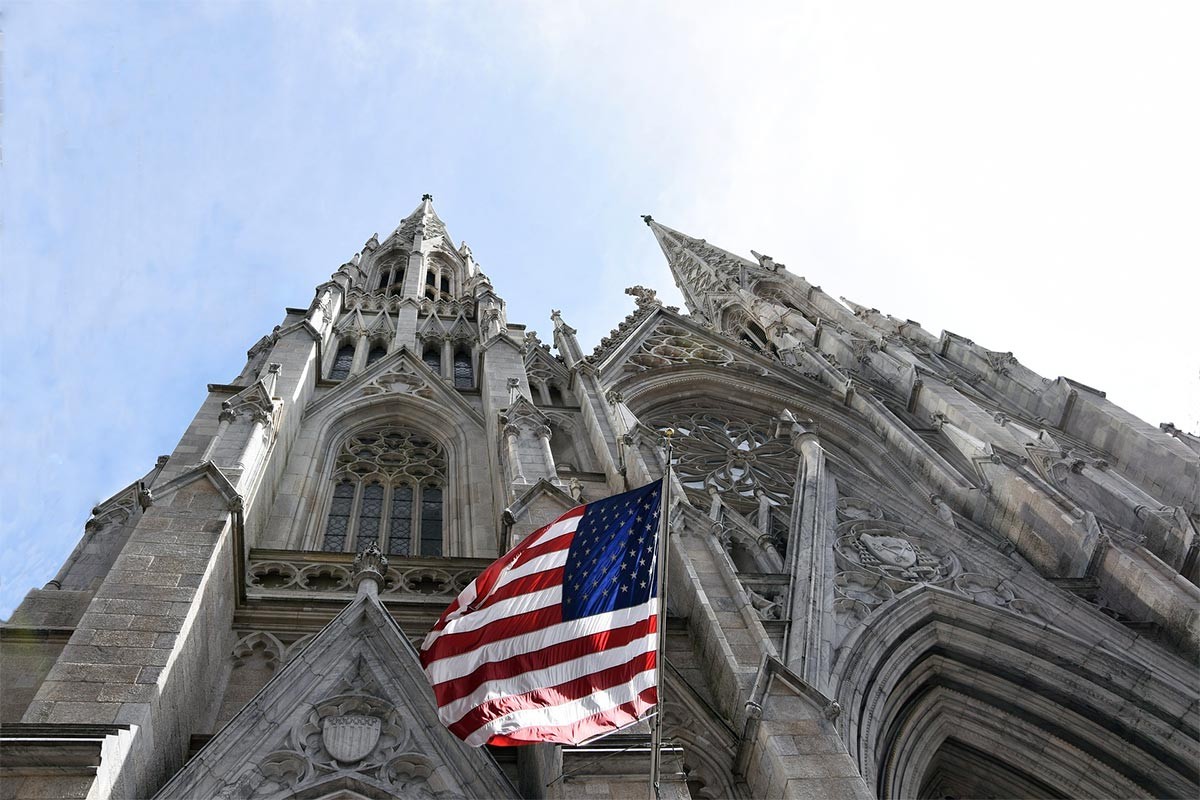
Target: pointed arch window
[(389, 488), (464, 374), (377, 352), (342, 363), (338, 525), (391, 278), (433, 357)]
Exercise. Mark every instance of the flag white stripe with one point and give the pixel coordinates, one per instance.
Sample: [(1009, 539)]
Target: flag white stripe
[(560, 528), (550, 676), (503, 609), (456, 666), (469, 594), (534, 566), (566, 713)]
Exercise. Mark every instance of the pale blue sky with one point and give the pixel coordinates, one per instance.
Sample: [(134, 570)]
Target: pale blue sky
[(174, 175)]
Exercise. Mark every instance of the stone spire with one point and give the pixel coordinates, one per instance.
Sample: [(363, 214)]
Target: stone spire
[(424, 222), (708, 276)]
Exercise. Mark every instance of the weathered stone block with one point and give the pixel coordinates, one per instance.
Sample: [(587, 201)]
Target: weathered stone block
[(86, 713)]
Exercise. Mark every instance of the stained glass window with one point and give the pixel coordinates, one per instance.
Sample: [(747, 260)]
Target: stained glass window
[(388, 490), (338, 524), (400, 525), (464, 377), (431, 521), (433, 358), (342, 363)]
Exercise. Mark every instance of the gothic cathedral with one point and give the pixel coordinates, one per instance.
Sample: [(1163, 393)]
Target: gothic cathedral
[(902, 565)]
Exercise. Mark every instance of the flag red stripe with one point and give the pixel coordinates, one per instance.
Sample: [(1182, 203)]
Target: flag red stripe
[(530, 546), (506, 668), (451, 690), (452, 644), (583, 729), (462, 664), (526, 584), (552, 695)]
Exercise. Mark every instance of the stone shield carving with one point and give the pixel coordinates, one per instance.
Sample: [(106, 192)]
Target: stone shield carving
[(891, 550), (900, 556), (350, 737)]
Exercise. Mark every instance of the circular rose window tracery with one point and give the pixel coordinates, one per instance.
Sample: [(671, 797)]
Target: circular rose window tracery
[(738, 457)]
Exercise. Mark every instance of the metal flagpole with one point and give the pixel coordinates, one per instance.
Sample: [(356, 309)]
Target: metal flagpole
[(660, 654)]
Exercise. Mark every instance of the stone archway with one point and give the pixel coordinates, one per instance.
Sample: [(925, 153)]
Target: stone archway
[(934, 678)]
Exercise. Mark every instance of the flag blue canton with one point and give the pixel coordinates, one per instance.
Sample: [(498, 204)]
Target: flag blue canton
[(610, 564)]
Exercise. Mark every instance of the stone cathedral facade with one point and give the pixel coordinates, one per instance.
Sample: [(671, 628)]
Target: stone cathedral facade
[(902, 566)]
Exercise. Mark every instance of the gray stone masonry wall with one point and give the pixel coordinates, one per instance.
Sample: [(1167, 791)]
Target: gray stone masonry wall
[(797, 753), (158, 626)]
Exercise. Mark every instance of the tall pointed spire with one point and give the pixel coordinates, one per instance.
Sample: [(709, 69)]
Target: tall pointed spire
[(706, 275), (424, 220)]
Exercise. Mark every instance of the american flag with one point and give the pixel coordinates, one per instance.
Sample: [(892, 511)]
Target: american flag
[(555, 642)]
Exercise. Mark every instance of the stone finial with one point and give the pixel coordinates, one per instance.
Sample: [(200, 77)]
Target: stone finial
[(766, 262), (646, 218), (645, 297), (370, 566), (796, 430)]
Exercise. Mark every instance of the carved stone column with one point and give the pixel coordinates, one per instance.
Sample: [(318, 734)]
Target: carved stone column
[(807, 554), (448, 360), (254, 444), (227, 416), (361, 346), (764, 512), (543, 434), (511, 434)]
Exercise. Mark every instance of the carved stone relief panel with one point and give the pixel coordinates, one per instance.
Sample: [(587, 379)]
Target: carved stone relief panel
[(878, 559), (670, 345), (401, 380), (353, 733), (404, 576), (893, 552)]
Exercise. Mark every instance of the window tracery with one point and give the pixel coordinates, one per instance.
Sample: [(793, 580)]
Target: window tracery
[(670, 344), (464, 374), (388, 489), (342, 363), (433, 357), (376, 353), (736, 457), (391, 278)]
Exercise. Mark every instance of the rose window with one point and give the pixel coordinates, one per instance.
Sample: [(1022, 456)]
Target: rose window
[(736, 457)]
